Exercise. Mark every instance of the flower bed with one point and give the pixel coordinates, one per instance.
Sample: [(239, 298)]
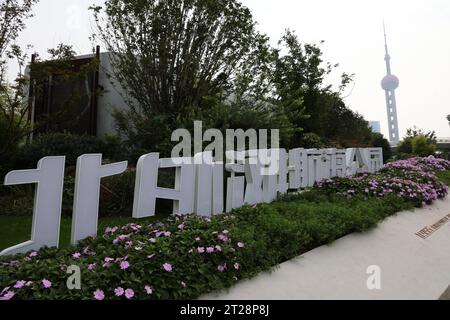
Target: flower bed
[(184, 257), (413, 179)]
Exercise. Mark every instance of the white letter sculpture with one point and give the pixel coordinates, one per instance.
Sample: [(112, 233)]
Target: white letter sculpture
[(49, 177), (87, 192), (147, 190)]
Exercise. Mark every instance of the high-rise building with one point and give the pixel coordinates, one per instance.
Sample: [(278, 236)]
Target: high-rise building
[(389, 83)]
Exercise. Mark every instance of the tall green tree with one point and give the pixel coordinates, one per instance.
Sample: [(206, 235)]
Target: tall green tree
[(299, 82), (170, 54), (13, 109)]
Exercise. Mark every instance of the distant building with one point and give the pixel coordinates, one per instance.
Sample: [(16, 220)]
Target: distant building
[(96, 94), (375, 126), (389, 84)]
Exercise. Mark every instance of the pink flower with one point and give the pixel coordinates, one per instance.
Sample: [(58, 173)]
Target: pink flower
[(222, 267), (111, 230), (124, 265), (91, 266), (148, 289), (99, 295), (210, 250), (223, 237), (20, 284), (240, 244), (119, 291), (47, 284), (76, 255), (129, 293), (167, 234), (29, 283), (181, 226), (108, 259), (200, 249), (33, 254), (167, 267), (8, 295)]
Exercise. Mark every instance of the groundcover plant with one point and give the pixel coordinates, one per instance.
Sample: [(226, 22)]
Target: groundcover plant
[(413, 179), (183, 257)]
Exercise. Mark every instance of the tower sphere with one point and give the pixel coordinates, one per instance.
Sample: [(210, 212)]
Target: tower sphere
[(389, 82)]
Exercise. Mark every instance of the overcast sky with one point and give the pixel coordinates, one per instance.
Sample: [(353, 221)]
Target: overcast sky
[(418, 39)]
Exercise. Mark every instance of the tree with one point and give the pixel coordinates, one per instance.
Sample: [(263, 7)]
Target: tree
[(422, 147), (414, 132), (13, 109), (378, 140), (170, 54), (299, 86), (417, 142)]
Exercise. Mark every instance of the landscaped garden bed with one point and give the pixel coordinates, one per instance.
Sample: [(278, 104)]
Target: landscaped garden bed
[(182, 257)]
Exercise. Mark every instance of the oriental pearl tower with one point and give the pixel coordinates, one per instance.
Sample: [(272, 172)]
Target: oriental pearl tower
[(389, 84)]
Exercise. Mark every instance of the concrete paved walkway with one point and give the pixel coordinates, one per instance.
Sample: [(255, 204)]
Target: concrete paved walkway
[(411, 267)]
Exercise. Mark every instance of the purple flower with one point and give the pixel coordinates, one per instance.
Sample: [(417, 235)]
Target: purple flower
[(167, 267), (200, 249), (20, 284), (33, 254), (124, 265), (148, 289), (111, 230), (108, 259), (129, 293), (46, 283), (119, 291), (91, 266), (240, 244), (222, 267), (8, 295), (76, 255), (209, 250), (223, 237), (99, 295), (167, 234), (181, 226)]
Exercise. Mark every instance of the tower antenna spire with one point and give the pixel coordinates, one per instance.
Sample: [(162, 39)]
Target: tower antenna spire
[(389, 84)]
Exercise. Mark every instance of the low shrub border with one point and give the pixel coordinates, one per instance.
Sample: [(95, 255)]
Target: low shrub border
[(183, 257)]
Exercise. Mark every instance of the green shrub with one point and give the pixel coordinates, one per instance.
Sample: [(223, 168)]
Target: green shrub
[(69, 145)]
